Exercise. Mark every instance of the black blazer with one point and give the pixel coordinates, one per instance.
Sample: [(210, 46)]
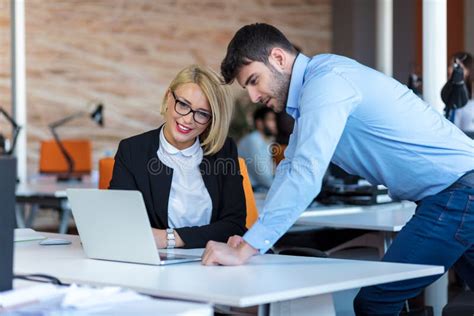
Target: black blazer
[(137, 167)]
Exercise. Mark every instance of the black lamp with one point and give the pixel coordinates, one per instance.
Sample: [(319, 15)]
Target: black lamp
[(96, 115), (454, 93), (4, 151)]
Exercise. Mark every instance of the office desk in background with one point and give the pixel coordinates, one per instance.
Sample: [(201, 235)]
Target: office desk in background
[(385, 218), (45, 190), (279, 285)]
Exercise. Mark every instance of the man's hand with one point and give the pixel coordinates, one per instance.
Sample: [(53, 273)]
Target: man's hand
[(234, 241), (220, 253)]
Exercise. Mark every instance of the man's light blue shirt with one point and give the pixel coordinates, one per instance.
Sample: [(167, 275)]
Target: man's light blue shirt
[(366, 123)]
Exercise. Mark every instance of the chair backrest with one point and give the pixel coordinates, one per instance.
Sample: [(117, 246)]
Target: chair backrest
[(252, 211), (52, 160), (106, 168), (279, 154)]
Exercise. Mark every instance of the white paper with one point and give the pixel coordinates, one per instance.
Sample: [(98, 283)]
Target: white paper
[(27, 234), (29, 295), (85, 297)]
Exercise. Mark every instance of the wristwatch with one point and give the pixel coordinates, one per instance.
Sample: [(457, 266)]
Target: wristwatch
[(171, 242)]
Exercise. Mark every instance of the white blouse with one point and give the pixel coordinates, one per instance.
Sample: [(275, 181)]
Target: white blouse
[(464, 117), (189, 201)]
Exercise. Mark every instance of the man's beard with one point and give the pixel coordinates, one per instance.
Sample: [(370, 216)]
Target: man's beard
[(279, 88)]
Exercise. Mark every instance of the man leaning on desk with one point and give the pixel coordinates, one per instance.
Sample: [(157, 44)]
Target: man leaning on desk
[(370, 125)]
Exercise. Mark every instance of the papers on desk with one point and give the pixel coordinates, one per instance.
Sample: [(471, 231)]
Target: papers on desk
[(68, 297), (27, 234), (86, 297), (48, 299), (30, 295)]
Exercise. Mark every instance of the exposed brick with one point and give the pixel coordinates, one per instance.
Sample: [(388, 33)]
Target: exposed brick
[(125, 52)]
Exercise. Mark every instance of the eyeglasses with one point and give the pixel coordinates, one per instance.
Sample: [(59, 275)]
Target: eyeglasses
[(184, 109)]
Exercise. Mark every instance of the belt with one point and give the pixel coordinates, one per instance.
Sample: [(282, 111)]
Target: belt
[(467, 180)]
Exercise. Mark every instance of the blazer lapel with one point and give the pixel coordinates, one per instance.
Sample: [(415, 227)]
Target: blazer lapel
[(160, 177), (211, 182)]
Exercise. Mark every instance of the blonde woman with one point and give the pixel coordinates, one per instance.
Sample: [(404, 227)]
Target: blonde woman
[(187, 169)]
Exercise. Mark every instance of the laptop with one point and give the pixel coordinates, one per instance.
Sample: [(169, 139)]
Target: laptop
[(114, 225)]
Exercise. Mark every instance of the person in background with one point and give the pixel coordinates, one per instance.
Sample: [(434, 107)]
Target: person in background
[(464, 117), (187, 169), (256, 149), (285, 125), (370, 125)]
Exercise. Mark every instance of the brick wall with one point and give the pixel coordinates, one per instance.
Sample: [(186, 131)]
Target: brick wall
[(125, 52)]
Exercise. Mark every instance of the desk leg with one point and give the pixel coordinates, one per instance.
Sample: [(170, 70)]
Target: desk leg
[(387, 240), (65, 215), (436, 295), (32, 215), (20, 215), (313, 305), (263, 310)]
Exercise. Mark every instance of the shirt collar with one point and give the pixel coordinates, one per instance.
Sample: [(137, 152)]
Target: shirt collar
[(170, 149), (296, 83)]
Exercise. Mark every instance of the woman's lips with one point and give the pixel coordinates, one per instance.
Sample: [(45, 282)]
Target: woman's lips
[(183, 129)]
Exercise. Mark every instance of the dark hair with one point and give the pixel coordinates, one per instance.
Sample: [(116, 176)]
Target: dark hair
[(466, 59), (260, 114), (252, 42)]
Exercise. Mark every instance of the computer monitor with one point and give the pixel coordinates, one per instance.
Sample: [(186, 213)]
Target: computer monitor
[(7, 220)]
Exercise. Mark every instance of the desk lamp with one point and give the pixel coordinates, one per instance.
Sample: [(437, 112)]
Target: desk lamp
[(4, 151), (96, 115), (454, 93)]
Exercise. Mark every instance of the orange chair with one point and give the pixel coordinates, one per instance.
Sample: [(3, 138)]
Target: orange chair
[(52, 160), (279, 154), (252, 211), (106, 168)]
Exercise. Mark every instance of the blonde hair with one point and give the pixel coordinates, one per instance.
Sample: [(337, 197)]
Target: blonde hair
[(219, 98)]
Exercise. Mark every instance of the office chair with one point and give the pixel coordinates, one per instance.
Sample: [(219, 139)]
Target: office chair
[(106, 169), (52, 161), (278, 153), (251, 206)]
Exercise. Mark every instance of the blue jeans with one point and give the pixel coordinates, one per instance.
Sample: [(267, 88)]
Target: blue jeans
[(440, 233)]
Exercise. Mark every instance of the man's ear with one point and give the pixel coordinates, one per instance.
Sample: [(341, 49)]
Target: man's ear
[(279, 58)]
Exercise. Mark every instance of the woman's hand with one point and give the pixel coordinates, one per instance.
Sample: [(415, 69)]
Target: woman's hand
[(160, 238)]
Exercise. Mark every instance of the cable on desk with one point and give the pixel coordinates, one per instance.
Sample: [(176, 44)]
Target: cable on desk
[(43, 278)]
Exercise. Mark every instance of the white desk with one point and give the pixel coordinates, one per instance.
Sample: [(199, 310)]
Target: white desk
[(280, 285), (46, 190)]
